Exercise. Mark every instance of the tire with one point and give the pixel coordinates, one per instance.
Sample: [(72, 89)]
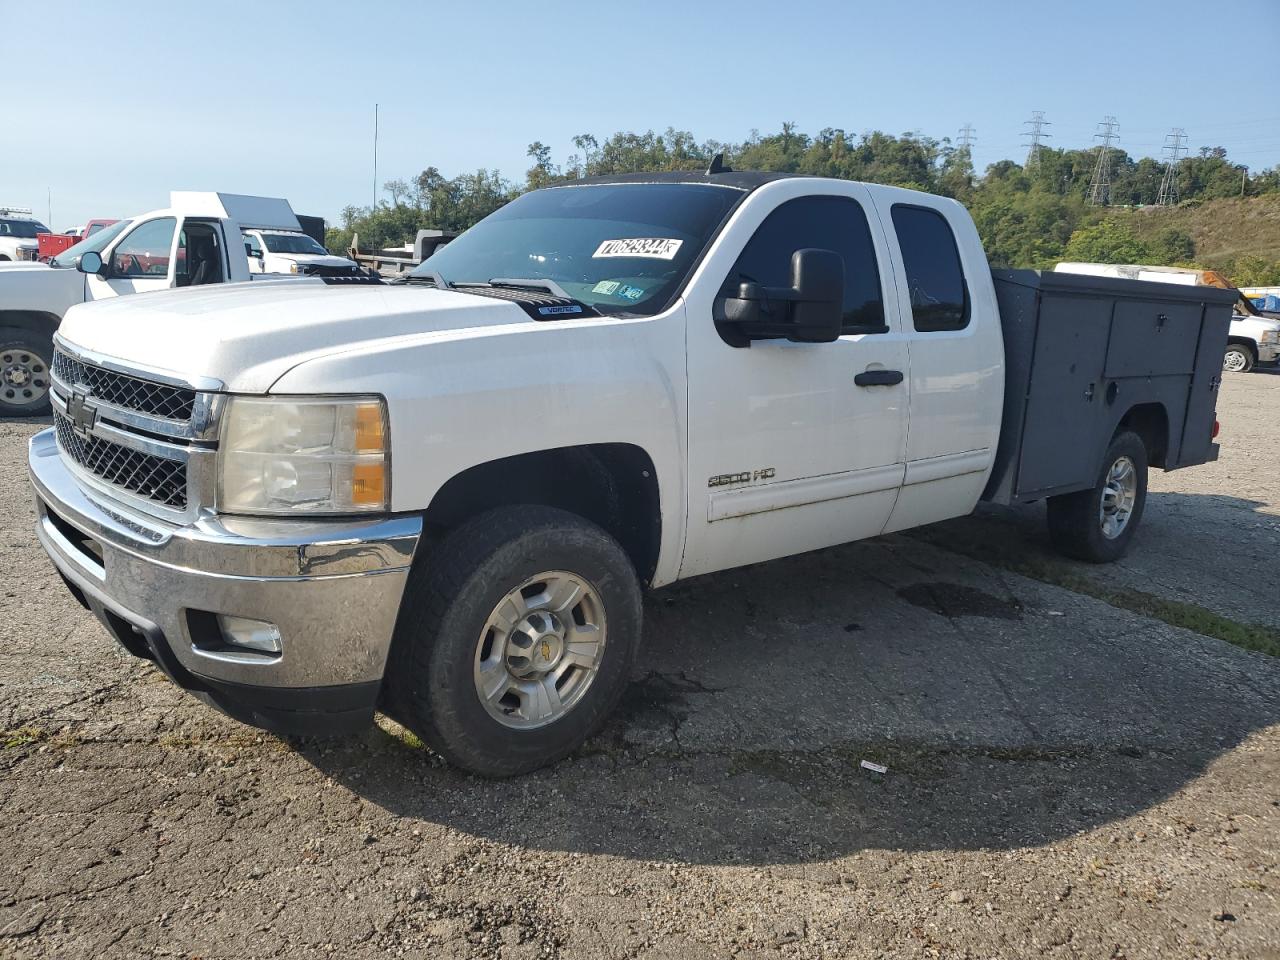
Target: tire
[(1238, 358), (448, 643), (25, 356), (1088, 525)]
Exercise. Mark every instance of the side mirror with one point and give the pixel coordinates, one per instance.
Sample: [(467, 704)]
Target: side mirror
[(248, 250), (811, 310), (91, 262), (817, 279)]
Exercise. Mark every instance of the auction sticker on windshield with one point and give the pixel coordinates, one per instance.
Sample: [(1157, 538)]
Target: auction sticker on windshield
[(655, 248)]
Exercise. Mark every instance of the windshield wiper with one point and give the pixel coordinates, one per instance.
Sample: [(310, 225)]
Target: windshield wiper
[(425, 276), (519, 283)]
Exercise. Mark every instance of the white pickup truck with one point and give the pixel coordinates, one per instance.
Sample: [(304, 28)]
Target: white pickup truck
[(441, 497), (195, 241), (288, 251), (18, 232)]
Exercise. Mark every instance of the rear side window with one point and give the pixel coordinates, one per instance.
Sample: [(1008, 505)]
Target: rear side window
[(828, 223), (939, 298)]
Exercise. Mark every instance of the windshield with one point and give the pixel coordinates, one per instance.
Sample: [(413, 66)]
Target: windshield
[(23, 229), (97, 243), (292, 243), (621, 248)]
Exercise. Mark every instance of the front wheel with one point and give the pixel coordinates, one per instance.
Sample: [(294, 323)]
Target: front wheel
[(25, 357), (1237, 359), (1096, 525), (515, 641)]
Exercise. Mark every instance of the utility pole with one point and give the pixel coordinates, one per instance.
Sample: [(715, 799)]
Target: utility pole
[(967, 137), (375, 156), (1173, 150), (1037, 123), (1100, 185)]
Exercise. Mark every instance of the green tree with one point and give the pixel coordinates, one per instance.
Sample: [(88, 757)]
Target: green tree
[(1107, 242)]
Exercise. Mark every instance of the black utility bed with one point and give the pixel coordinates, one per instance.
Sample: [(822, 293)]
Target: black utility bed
[(1084, 354)]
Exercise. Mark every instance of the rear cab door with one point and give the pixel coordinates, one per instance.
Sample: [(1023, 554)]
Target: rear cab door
[(951, 325)]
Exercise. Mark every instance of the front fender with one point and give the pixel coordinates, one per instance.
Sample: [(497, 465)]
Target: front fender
[(39, 288), (481, 395)]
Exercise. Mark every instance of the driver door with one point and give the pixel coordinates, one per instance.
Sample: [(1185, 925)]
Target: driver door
[(795, 446), (142, 260)]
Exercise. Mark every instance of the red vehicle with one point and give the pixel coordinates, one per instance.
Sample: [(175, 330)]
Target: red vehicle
[(52, 244)]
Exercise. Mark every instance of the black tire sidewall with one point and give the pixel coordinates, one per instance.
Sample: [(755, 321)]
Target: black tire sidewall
[(16, 338), (1248, 357), (456, 723), (1124, 445)]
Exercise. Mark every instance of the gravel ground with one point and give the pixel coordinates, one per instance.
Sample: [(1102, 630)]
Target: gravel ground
[(1066, 777)]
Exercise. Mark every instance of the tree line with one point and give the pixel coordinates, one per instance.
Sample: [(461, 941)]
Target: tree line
[(1029, 215)]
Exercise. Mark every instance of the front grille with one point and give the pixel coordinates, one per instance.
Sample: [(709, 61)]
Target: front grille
[(156, 478), (156, 399)]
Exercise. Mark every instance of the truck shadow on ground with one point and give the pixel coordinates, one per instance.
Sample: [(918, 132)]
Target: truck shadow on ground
[(1009, 713)]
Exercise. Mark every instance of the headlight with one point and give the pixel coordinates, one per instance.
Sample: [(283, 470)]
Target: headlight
[(303, 455), (1270, 336)]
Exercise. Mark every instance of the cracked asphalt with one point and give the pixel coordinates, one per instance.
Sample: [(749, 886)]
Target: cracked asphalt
[(1066, 778)]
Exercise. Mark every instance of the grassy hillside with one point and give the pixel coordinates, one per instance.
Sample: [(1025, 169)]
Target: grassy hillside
[(1224, 231)]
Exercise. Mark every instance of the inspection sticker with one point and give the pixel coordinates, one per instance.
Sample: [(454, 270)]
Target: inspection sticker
[(655, 248), (607, 287)]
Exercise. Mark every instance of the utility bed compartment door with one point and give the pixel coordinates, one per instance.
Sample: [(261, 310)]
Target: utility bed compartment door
[(1197, 444), (1060, 434), (1153, 339)]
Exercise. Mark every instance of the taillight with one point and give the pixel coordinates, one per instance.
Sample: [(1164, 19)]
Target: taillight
[(1216, 427)]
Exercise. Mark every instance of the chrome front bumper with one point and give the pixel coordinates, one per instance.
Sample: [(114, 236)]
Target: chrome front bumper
[(332, 588)]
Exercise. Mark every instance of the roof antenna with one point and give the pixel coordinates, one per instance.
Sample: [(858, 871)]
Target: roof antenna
[(717, 165)]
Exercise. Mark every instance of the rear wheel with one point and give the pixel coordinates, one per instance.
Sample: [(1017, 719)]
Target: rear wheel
[(1096, 525), (25, 356), (516, 640), (1237, 359)]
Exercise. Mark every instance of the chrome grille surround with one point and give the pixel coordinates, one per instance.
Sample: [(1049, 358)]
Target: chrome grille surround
[(147, 441), (146, 474), (122, 390)]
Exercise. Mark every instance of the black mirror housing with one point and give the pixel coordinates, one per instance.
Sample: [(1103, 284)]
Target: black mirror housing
[(91, 262), (817, 282), (811, 310)]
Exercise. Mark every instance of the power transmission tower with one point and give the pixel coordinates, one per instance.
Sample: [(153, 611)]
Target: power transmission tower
[(1174, 148), (1100, 185), (1037, 123), (967, 137)]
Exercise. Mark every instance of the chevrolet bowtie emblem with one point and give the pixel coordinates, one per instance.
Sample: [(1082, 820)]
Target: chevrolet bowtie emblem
[(546, 650), (83, 415)]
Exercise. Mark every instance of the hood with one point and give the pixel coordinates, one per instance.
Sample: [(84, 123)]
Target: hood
[(321, 259), (39, 287), (248, 335), (14, 266)]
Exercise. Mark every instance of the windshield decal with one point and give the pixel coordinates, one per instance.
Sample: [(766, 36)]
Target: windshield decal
[(629, 292), (607, 287), (654, 248)]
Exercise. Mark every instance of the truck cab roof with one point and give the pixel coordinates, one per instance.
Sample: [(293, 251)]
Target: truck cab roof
[(739, 179)]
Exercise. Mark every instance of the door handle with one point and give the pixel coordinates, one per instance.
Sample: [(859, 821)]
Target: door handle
[(878, 378)]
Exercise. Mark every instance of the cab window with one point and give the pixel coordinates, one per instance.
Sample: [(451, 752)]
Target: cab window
[(935, 278), (828, 223), (145, 251)]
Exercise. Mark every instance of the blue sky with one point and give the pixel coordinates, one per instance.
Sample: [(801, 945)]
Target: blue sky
[(277, 98)]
